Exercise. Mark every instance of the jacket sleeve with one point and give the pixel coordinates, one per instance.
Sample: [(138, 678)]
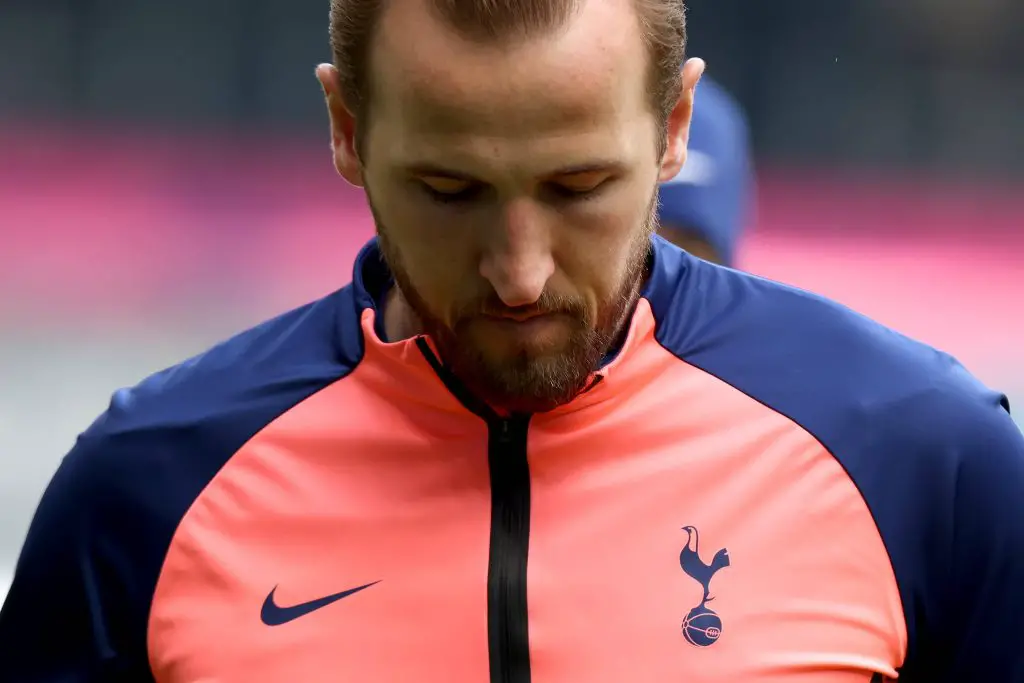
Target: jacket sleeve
[(985, 616), (71, 615)]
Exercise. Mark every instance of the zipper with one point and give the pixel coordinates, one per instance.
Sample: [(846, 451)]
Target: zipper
[(508, 635), (507, 622)]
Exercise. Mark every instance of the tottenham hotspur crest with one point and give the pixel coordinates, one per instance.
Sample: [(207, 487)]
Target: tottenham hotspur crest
[(701, 627)]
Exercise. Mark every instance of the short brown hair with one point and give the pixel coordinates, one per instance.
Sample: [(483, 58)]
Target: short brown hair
[(354, 22)]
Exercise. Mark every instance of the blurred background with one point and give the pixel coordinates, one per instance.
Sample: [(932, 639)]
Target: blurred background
[(165, 180)]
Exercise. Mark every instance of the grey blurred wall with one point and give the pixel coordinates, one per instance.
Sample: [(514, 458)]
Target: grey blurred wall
[(933, 84)]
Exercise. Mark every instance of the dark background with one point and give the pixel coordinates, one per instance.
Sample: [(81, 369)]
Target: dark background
[(926, 84)]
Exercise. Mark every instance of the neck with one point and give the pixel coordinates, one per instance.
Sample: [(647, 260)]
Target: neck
[(399, 320)]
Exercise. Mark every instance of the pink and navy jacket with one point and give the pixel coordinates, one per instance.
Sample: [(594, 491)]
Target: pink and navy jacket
[(761, 485)]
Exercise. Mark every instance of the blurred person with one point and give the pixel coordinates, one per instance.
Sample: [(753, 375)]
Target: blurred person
[(531, 440), (705, 207)]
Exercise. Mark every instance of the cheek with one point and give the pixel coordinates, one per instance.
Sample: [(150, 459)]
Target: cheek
[(432, 245), (433, 260), (436, 276), (597, 251), (592, 275)]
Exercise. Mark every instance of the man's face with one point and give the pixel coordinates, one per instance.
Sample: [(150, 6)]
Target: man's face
[(513, 188)]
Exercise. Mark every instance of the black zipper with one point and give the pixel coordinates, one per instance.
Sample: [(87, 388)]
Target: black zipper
[(507, 625), (508, 633)]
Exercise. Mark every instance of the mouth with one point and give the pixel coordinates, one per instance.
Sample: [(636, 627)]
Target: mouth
[(519, 317), (534, 326)]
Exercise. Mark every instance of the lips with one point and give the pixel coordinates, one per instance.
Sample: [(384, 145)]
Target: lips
[(521, 318)]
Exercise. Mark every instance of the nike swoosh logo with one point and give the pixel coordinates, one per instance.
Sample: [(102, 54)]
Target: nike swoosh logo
[(273, 615)]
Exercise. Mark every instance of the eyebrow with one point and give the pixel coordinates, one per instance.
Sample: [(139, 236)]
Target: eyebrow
[(428, 169), (599, 166)]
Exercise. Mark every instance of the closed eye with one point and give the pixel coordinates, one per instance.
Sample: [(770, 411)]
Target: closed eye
[(449, 190), (576, 191), (573, 187)]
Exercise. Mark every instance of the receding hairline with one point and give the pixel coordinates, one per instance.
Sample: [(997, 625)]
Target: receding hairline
[(355, 26), (501, 20), (393, 59)]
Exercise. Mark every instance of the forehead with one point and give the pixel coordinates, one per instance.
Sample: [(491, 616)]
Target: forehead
[(588, 75)]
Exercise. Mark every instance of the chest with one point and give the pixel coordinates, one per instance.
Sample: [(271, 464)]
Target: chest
[(701, 559)]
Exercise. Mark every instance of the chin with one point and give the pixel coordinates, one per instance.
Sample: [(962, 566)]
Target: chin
[(527, 354), (509, 341)]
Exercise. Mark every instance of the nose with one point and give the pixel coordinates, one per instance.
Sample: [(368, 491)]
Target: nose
[(517, 259)]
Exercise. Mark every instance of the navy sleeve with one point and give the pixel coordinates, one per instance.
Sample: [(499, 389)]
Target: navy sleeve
[(985, 619), (74, 612), (78, 608)]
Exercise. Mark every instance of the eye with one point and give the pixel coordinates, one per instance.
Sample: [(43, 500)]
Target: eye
[(448, 190), (579, 186)]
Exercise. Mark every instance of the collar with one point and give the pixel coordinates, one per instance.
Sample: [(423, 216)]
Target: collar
[(637, 363)]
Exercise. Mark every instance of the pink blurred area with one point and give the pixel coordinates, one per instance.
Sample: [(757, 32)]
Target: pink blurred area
[(942, 262), (97, 225)]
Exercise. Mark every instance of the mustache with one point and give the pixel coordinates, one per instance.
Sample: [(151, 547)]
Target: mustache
[(548, 304)]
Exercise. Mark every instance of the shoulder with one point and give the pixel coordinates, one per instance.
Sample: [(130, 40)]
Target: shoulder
[(87, 571), (194, 415), (135, 472), (825, 366), (853, 383), (138, 468), (934, 452)]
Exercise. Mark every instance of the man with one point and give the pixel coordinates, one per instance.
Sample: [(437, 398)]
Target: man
[(530, 441), (705, 207)]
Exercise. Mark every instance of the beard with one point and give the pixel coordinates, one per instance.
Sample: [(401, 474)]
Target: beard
[(528, 380)]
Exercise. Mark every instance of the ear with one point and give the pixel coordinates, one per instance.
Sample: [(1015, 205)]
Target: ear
[(678, 129), (343, 127)]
